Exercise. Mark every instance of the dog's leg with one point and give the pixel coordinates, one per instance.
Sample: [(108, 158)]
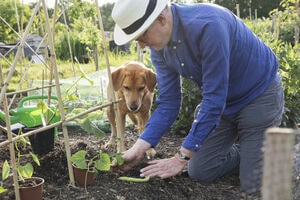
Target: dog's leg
[(111, 144), (142, 120)]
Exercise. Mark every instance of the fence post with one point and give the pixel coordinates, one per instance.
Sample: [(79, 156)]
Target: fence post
[(278, 164)]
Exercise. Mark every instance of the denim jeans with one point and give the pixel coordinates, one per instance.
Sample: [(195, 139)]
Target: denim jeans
[(222, 153)]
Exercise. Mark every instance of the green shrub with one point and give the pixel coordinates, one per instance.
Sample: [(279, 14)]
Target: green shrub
[(191, 97)]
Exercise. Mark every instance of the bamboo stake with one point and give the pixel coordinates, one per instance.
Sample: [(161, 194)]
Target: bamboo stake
[(68, 39), (120, 137), (30, 89), (19, 51), (11, 150), (1, 73), (58, 93)]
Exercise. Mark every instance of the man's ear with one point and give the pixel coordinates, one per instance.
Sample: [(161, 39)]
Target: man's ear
[(162, 19)]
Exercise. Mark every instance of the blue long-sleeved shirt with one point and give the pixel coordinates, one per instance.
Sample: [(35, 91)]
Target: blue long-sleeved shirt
[(216, 50)]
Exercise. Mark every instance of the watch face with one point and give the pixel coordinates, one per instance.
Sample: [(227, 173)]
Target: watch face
[(183, 156)]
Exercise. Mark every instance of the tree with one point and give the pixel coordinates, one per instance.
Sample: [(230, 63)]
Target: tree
[(263, 7), (108, 22), (8, 13)]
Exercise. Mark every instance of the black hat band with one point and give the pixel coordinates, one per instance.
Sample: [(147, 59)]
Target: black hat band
[(138, 23)]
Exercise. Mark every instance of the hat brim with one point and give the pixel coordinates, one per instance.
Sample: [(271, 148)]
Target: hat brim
[(120, 37)]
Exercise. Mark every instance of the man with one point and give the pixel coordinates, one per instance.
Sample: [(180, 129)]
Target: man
[(236, 73)]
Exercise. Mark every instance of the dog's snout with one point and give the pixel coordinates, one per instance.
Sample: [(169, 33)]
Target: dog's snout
[(133, 107)]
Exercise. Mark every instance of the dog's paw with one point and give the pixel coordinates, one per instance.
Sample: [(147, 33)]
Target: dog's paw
[(150, 153), (110, 145)]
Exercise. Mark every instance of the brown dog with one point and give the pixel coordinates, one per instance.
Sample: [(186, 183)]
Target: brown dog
[(134, 84)]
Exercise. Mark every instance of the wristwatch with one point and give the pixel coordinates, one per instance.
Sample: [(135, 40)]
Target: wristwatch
[(183, 156)]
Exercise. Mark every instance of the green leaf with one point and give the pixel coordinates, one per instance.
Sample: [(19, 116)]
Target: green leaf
[(2, 189), (26, 170), (5, 170), (103, 164), (78, 159), (83, 74), (35, 158), (92, 124), (119, 159)]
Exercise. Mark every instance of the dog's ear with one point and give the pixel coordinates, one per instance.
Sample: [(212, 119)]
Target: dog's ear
[(117, 78), (150, 80)]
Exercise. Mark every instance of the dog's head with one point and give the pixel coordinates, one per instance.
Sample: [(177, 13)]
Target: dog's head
[(135, 81)]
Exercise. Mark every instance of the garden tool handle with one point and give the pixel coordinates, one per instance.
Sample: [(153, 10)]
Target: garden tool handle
[(21, 102)]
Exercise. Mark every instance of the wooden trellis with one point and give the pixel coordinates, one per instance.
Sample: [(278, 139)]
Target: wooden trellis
[(53, 74)]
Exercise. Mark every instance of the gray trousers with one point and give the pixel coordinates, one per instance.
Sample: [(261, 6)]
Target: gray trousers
[(221, 154)]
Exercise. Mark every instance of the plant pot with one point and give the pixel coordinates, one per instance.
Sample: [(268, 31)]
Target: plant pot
[(31, 189), (43, 142), (83, 177)]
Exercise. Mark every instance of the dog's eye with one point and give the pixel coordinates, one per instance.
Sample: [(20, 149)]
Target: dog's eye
[(141, 89), (126, 88)]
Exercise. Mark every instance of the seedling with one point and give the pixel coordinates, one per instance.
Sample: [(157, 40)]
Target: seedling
[(24, 170), (100, 162)]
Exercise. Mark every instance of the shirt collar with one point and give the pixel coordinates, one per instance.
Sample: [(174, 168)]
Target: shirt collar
[(174, 37)]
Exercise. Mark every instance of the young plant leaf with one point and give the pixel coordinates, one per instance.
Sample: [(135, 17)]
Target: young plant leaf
[(119, 159), (2, 190), (78, 159), (35, 158), (103, 164), (5, 170), (92, 124), (26, 170)]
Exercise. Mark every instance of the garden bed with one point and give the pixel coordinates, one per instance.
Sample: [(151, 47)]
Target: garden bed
[(55, 172)]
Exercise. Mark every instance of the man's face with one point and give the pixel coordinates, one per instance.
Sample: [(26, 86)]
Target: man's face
[(155, 36)]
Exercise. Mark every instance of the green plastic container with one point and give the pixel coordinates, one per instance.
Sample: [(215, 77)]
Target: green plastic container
[(30, 115)]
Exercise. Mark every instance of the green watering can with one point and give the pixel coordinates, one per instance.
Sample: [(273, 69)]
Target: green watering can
[(31, 115)]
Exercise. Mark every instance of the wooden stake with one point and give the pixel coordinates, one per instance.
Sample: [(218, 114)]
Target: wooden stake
[(120, 137), (58, 93), (11, 150), (278, 163)]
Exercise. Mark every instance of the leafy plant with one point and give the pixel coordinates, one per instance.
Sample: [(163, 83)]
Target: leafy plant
[(94, 163), (24, 168), (101, 161), (191, 97)]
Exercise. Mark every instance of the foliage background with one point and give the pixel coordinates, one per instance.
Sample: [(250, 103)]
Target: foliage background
[(275, 22)]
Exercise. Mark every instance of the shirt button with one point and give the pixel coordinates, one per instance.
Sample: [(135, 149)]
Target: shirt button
[(182, 64), (179, 41), (191, 77), (197, 145), (174, 47)]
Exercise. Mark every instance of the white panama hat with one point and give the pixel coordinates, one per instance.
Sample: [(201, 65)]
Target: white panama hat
[(133, 17)]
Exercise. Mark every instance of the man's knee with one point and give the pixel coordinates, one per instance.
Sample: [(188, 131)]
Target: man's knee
[(202, 175)]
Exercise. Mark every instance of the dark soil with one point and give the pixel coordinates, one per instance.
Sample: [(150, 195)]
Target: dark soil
[(107, 186)]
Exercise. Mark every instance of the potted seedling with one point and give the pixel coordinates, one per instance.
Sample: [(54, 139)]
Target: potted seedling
[(86, 166), (31, 188)]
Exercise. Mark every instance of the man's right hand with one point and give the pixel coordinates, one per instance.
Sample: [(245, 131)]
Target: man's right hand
[(134, 155)]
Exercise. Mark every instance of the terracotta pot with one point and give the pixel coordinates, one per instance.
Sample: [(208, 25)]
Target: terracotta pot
[(82, 177), (32, 189)]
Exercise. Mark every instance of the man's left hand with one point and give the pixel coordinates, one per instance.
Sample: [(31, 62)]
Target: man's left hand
[(164, 168)]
